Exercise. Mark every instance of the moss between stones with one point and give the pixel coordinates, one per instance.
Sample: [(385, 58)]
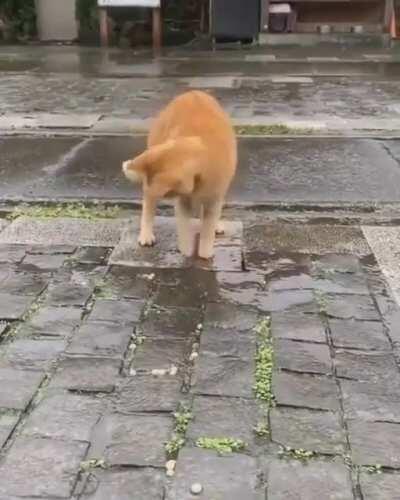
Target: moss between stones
[(182, 418), (221, 445), (276, 129), (71, 210)]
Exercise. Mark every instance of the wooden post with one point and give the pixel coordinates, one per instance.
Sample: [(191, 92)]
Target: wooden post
[(104, 33), (389, 11), (157, 29)]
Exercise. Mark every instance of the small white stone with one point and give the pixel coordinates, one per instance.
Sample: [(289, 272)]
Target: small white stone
[(170, 467), (173, 371), (196, 489), (159, 372), (194, 356), (132, 372)]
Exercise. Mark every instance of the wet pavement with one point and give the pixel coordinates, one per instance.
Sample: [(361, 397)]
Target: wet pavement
[(104, 362), (271, 372), (271, 170), (176, 62), (48, 87)]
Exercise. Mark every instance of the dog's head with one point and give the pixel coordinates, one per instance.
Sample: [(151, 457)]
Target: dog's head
[(169, 169)]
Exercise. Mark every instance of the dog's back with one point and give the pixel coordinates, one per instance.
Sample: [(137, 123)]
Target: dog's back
[(197, 114)]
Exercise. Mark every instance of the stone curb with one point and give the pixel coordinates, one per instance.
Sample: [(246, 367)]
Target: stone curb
[(97, 124)]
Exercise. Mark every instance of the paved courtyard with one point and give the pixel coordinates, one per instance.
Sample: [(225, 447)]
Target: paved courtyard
[(270, 373), (274, 374)]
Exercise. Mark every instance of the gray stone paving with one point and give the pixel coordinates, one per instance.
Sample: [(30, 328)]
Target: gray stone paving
[(96, 358)]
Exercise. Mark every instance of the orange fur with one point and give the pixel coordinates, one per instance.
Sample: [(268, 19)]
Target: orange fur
[(191, 156)]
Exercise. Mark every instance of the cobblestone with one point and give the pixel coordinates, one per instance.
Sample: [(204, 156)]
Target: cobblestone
[(372, 401), (375, 443), (380, 486), (8, 421), (302, 357), (358, 334), (13, 307), (305, 391), (87, 374), (147, 394), (311, 430), (50, 465), (312, 481), (216, 417), (54, 321), (100, 339), (298, 327), (139, 484), (119, 311), (96, 334), (160, 354), (233, 477), (366, 366), (18, 387), (133, 440), (34, 354), (64, 416)]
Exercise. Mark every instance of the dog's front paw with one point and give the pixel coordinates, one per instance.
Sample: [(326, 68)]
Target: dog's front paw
[(146, 239)]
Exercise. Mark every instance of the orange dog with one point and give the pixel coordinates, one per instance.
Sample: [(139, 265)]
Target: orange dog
[(191, 156)]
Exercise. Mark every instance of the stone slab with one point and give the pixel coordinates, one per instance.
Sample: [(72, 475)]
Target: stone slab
[(160, 354), (41, 467), (18, 387), (12, 254), (64, 416), (100, 339), (63, 231), (8, 421), (303, 327), (305, 391), (54, 321), (34, 354), (385, 242), (313, 481), (140, 484), (147, 394), (358, 307), (299, 238), (166, 254), (228, 316), (224, 376), (87, 374), (308, 430), (132, 440), (124, 312), (171, 322), (232, 477), (367, 366), (303, 357), (375, 443), (217, 417), (358, 334), (380, 486), (13, 307), (372, 401)]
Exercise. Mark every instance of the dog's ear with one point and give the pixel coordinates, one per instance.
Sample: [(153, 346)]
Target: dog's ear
[(146, 163)]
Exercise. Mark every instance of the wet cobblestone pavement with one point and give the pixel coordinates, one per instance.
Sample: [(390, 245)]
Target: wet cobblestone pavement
[(243, 97), (290, 360)]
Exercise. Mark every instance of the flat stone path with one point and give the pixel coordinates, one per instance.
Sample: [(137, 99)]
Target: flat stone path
[(96, 358)]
